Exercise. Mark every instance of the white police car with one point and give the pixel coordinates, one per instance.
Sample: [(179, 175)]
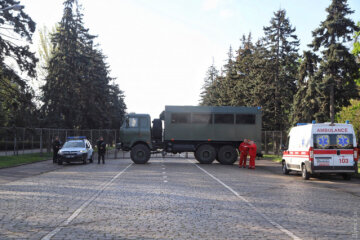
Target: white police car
[(76, 149)]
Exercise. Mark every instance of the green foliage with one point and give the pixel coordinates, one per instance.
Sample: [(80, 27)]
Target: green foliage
[(338, 68), (16, 107), (79, 92), (262, 74), (356, 50), (351, 113)]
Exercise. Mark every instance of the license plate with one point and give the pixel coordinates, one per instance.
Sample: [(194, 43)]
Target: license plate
[(69, 156), (323, 161)]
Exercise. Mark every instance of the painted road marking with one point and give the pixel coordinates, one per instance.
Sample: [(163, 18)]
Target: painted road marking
[(83, 206), (281, 228)]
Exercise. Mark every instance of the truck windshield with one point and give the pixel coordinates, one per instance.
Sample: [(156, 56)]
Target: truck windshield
[(333, 141)]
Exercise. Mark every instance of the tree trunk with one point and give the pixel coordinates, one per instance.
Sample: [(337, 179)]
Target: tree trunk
[(332, 107)]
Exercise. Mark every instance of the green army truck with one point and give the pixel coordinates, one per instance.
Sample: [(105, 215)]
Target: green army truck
[(209, 132)]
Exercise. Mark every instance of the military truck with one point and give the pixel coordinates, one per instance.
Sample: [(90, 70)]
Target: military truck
[(209, 132)]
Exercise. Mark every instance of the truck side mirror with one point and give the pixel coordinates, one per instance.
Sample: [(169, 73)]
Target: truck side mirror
[(283, 147)]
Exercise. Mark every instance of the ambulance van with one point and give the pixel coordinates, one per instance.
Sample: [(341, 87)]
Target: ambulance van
[(321, 148)]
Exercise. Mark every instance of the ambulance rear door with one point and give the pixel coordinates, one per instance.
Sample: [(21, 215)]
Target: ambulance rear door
[(334, 150)]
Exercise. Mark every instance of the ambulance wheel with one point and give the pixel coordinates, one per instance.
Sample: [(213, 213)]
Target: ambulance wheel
[(304, 173), (285, 170), (205, 154), (227, 155), (346, 176), (140, 154)]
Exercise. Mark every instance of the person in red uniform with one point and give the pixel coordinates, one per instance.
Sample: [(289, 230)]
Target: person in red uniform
[(244, 149), (252, 153)]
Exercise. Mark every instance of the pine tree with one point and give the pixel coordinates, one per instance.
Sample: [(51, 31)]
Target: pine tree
[(306, 106), (338, 66), (78, 92), (282, 45), (207, 96), (226, 89), (15, 94)]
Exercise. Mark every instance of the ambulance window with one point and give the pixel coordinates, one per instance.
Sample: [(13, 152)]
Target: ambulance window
[(333, 141), (321, 141), (180, 118), (245, 119), (224, 118), (205, 118)]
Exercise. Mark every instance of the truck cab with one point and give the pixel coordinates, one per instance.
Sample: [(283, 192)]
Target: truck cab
[(136, 129)]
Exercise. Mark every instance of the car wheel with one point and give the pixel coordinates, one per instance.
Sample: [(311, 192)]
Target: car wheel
[(304, 173), (205, 154), (285, 170), (227, 155)]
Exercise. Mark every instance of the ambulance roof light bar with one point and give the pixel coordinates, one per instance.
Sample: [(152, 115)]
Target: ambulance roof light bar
[(347, 122), (313, 121), (301, 124)]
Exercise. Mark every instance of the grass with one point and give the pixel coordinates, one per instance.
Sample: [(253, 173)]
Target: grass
[(274, 158), (12, 161)]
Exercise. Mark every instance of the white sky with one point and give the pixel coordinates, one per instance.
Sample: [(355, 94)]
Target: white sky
[(160, 50)]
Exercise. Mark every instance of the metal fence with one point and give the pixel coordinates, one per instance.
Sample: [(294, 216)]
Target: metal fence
[(272, 141), (14, 141)]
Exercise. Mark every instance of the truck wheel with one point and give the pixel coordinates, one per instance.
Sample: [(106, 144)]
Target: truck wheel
[(205, 154), (227, 155), (285, 170), (140, 154), (305, 174)]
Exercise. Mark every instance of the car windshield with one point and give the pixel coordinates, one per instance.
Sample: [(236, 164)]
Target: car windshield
[(333, 141), (74, 145)]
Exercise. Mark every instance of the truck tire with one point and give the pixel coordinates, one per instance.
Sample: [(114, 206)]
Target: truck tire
[(205, 154), (140, 154), (227, 155)]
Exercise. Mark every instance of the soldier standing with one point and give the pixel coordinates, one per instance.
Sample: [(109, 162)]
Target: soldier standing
[(56, 147), (101, 146)]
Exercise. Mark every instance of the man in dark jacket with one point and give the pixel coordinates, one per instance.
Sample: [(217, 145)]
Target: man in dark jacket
[(101, 146), (56, 147)]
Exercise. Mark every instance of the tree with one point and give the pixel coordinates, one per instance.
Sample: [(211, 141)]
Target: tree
[(15, 95), (282, 45), (207, 96), (78, 92), (306, 105), (338, 68)]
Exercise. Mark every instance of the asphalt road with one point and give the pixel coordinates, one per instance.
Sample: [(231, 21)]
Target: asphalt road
[(174, 198)]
